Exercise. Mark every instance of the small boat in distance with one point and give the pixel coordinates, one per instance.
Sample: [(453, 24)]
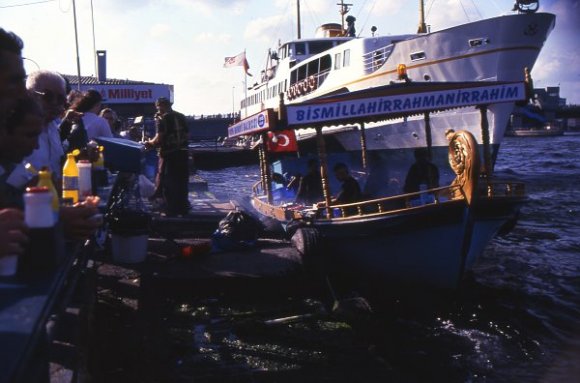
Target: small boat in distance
[(336, 62)]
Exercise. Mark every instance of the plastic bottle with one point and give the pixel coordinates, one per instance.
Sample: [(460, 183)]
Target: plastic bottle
[(70, 177), (45, 179), (99, 172), (41, 252), (85, 188), (100, 162)]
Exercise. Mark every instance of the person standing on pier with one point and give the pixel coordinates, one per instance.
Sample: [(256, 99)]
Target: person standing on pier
[(171, 138)]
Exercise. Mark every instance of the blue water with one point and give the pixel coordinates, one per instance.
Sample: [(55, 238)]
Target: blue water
[(517, 319)]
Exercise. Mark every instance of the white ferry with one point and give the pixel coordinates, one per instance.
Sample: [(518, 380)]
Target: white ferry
[(495, 49)]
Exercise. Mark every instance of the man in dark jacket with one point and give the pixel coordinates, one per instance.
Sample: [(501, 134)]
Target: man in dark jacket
[(350, 190), (172, 181)]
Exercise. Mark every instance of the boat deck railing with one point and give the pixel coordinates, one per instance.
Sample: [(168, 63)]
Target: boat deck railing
[(375, 59), (385, 205)]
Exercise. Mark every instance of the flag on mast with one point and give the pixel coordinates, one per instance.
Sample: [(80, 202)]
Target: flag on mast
[(238, 60)]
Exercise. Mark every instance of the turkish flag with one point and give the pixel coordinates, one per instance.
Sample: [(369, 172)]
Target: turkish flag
[(282, 141)]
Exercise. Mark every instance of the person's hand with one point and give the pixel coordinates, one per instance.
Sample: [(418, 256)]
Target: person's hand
[(12, 232), (79, 220), (72, 115)]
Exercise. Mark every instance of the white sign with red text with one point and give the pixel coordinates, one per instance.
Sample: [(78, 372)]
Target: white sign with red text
[(131, 94)]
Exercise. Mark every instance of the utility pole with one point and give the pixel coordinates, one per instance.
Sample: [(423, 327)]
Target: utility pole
[(94, 44), (77, 45)]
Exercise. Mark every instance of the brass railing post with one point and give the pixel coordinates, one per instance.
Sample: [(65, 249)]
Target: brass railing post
[(363, 146), (323, 170), (267, 177)]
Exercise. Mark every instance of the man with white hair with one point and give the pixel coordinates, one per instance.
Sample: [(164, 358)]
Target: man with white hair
[(50, 89)]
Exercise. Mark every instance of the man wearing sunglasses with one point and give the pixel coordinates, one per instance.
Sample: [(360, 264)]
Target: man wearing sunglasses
[(49, 88)]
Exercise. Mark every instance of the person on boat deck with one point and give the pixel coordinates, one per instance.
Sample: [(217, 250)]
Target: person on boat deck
[(422, 172), (350, 190), (172, 182), (310, 186)]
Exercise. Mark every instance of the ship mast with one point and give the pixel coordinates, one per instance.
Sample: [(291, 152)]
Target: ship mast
[(344, 8), (298, 27), (422, 26)]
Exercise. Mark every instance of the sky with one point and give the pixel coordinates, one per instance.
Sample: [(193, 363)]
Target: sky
[(184, 42)]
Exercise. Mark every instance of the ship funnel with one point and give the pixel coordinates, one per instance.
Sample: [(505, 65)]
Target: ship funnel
[(329, 30)]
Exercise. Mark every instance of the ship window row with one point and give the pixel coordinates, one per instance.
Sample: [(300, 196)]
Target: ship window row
[(265, 94), (317, 68), (320, 67), (306, 48)]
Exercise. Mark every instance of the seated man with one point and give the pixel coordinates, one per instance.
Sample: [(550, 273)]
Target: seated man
[(350, 190), (310, 187), (422, 172)]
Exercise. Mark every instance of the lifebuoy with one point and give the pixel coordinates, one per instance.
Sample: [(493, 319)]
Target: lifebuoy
[(311, 83), (298, 89), (302, 86), (293, 91)]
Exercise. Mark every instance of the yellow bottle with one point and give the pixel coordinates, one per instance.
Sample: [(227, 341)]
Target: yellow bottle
[(45, 179), (70, 177), (100, 162)]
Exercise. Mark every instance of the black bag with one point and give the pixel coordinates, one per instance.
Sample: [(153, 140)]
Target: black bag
[(78, 137), (238, 226)]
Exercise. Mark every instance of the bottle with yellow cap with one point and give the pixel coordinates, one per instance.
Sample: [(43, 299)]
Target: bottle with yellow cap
[(70, 177), (100, 162), (45, 179)]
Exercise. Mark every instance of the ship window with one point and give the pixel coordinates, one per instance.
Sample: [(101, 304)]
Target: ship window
[(299, 49), (417, 56), (325, 63), (301, 73), (312, 68), (478, 42), (346, 58), (319, 46), (337, 60)]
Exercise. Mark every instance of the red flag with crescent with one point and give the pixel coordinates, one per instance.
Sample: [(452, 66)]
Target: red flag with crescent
[(282, 141)]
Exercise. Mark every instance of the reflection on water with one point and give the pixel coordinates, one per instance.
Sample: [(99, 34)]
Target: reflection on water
[(516, 319)]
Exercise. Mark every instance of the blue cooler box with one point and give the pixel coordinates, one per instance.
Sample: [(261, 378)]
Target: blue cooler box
[(122, 155)]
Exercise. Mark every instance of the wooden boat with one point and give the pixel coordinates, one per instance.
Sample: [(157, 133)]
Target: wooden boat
[(428, 238)]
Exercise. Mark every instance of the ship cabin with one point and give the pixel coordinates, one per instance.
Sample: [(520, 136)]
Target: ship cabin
[(300, 67)]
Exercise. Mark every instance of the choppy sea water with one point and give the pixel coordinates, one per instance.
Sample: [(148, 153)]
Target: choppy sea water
[(517, 319)]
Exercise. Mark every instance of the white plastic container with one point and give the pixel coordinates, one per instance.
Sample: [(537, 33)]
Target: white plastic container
[(38, 207), (129, 249)]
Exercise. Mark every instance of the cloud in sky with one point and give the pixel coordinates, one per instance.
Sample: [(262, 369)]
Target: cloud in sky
[(262, 29), (209, 38), (159, 30)]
